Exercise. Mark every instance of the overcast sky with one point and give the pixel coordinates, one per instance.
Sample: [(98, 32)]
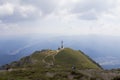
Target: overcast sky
[(60, 17)]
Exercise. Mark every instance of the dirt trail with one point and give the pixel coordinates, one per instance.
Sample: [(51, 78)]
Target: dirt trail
[(50, 53), (57, 51)]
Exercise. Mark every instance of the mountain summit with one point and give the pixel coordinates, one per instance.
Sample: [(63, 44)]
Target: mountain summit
[(61, 64), (65, 58)]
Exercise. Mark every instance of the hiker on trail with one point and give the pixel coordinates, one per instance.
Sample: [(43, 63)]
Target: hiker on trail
[(73, 67)]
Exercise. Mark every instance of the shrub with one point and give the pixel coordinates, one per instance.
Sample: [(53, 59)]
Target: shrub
[(116, 78)]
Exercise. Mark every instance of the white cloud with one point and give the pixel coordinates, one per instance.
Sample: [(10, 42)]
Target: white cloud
[(6, 9), (90, 15), (67, 17), (16, 12), (26, 10)]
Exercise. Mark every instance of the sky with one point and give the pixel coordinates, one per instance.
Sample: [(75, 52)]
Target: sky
[(59, 17)]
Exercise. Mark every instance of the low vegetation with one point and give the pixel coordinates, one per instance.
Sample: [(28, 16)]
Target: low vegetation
[(56, 65)]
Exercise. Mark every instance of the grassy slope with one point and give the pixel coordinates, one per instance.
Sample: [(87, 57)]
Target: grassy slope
[(73, 57), (66, 57)]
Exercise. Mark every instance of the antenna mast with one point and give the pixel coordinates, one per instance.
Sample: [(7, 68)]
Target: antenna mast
[(62, 45)]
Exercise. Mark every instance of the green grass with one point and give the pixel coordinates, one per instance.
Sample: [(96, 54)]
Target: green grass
[(73, 57), (35, 68), (66, 58)]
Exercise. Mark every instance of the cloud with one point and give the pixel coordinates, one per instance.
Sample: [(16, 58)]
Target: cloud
[(26, 10), (16, 12), (86, 6), (83, 9), (6, 9), (69, 17), (47, 6), (90, 15)]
